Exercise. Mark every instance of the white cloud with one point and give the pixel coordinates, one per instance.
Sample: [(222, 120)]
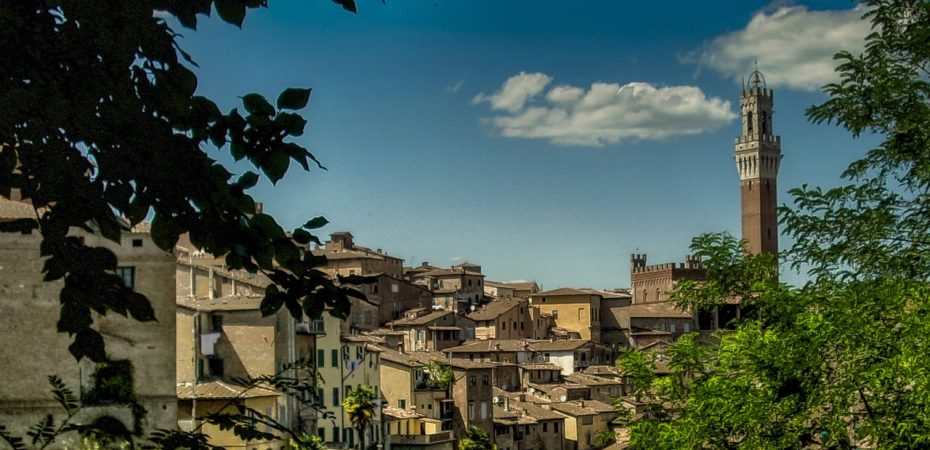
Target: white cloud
[(515, 92), (794, 46), (455, 87), (605, 113)]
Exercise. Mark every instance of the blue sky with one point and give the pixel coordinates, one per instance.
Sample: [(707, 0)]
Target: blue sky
[(497, 132)]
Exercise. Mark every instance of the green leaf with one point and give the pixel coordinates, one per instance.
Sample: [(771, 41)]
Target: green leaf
[(256, 104), (267, 226), (247, 180), (231, 11), (348, 5), (293, 99), (292, 123), (165, 232), (316, 222), (276, 166), (301, 236), (272, 302)]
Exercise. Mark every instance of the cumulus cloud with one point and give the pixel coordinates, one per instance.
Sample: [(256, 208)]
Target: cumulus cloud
[(515, 92), (604, 113), (793, 45)]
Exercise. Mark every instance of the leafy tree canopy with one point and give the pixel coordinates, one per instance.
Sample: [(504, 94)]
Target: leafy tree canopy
[(842, 361), (101, 128)]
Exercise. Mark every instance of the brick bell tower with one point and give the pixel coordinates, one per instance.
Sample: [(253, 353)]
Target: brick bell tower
[(758, 155)]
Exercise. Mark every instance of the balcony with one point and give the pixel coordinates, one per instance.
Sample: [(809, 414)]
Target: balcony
[(420, 439)]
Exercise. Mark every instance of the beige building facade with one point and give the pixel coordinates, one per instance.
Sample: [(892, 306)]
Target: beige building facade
[(142, 353)]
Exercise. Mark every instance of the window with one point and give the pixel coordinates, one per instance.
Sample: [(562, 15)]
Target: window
[(472, 380), (319, 396), (321, 432), (521, 326), (485, 380), (334, 354), (216, 367), (514, 326), (320, 358), (503, 326), (367, 317), (359, 352), (555, 314), (471, 410), (545, 427), (555, 427), (587, 420), (673, 328), (112, 384), (128, 274), (335, 396), (484, 410), (395, 288), (335, 434), (687, 327), (580, 313), (137, 243)]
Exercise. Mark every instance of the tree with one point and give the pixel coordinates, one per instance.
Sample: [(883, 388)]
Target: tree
[(605, 438), (476, 439), (840, 362), (439, 374), (361, 405), (101, 128)]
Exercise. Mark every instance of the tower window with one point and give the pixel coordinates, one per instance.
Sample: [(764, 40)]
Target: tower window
[(764, 122), (749, 121)]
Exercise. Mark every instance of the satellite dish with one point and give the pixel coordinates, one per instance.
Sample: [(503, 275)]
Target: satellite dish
[(496, 399), (563, 398)]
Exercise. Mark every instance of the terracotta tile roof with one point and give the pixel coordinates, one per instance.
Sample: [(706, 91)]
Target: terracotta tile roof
[(541, 366), (522, 285), (601, 370), (496, 308), (412, 359), (562, 291), (536, 411), (582, 407), (591, 380), (219, 389), (558, 346), (420, 320), (397, 413), (492, 345), (608, 294), (447, 273), (459, 363), (228, 303), (362, 338), (658, 309), (443, 328)]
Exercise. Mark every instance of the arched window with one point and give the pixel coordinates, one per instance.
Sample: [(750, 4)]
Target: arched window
[(764, 123)]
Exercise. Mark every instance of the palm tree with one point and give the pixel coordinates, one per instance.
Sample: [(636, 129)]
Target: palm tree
[(360, 404)]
